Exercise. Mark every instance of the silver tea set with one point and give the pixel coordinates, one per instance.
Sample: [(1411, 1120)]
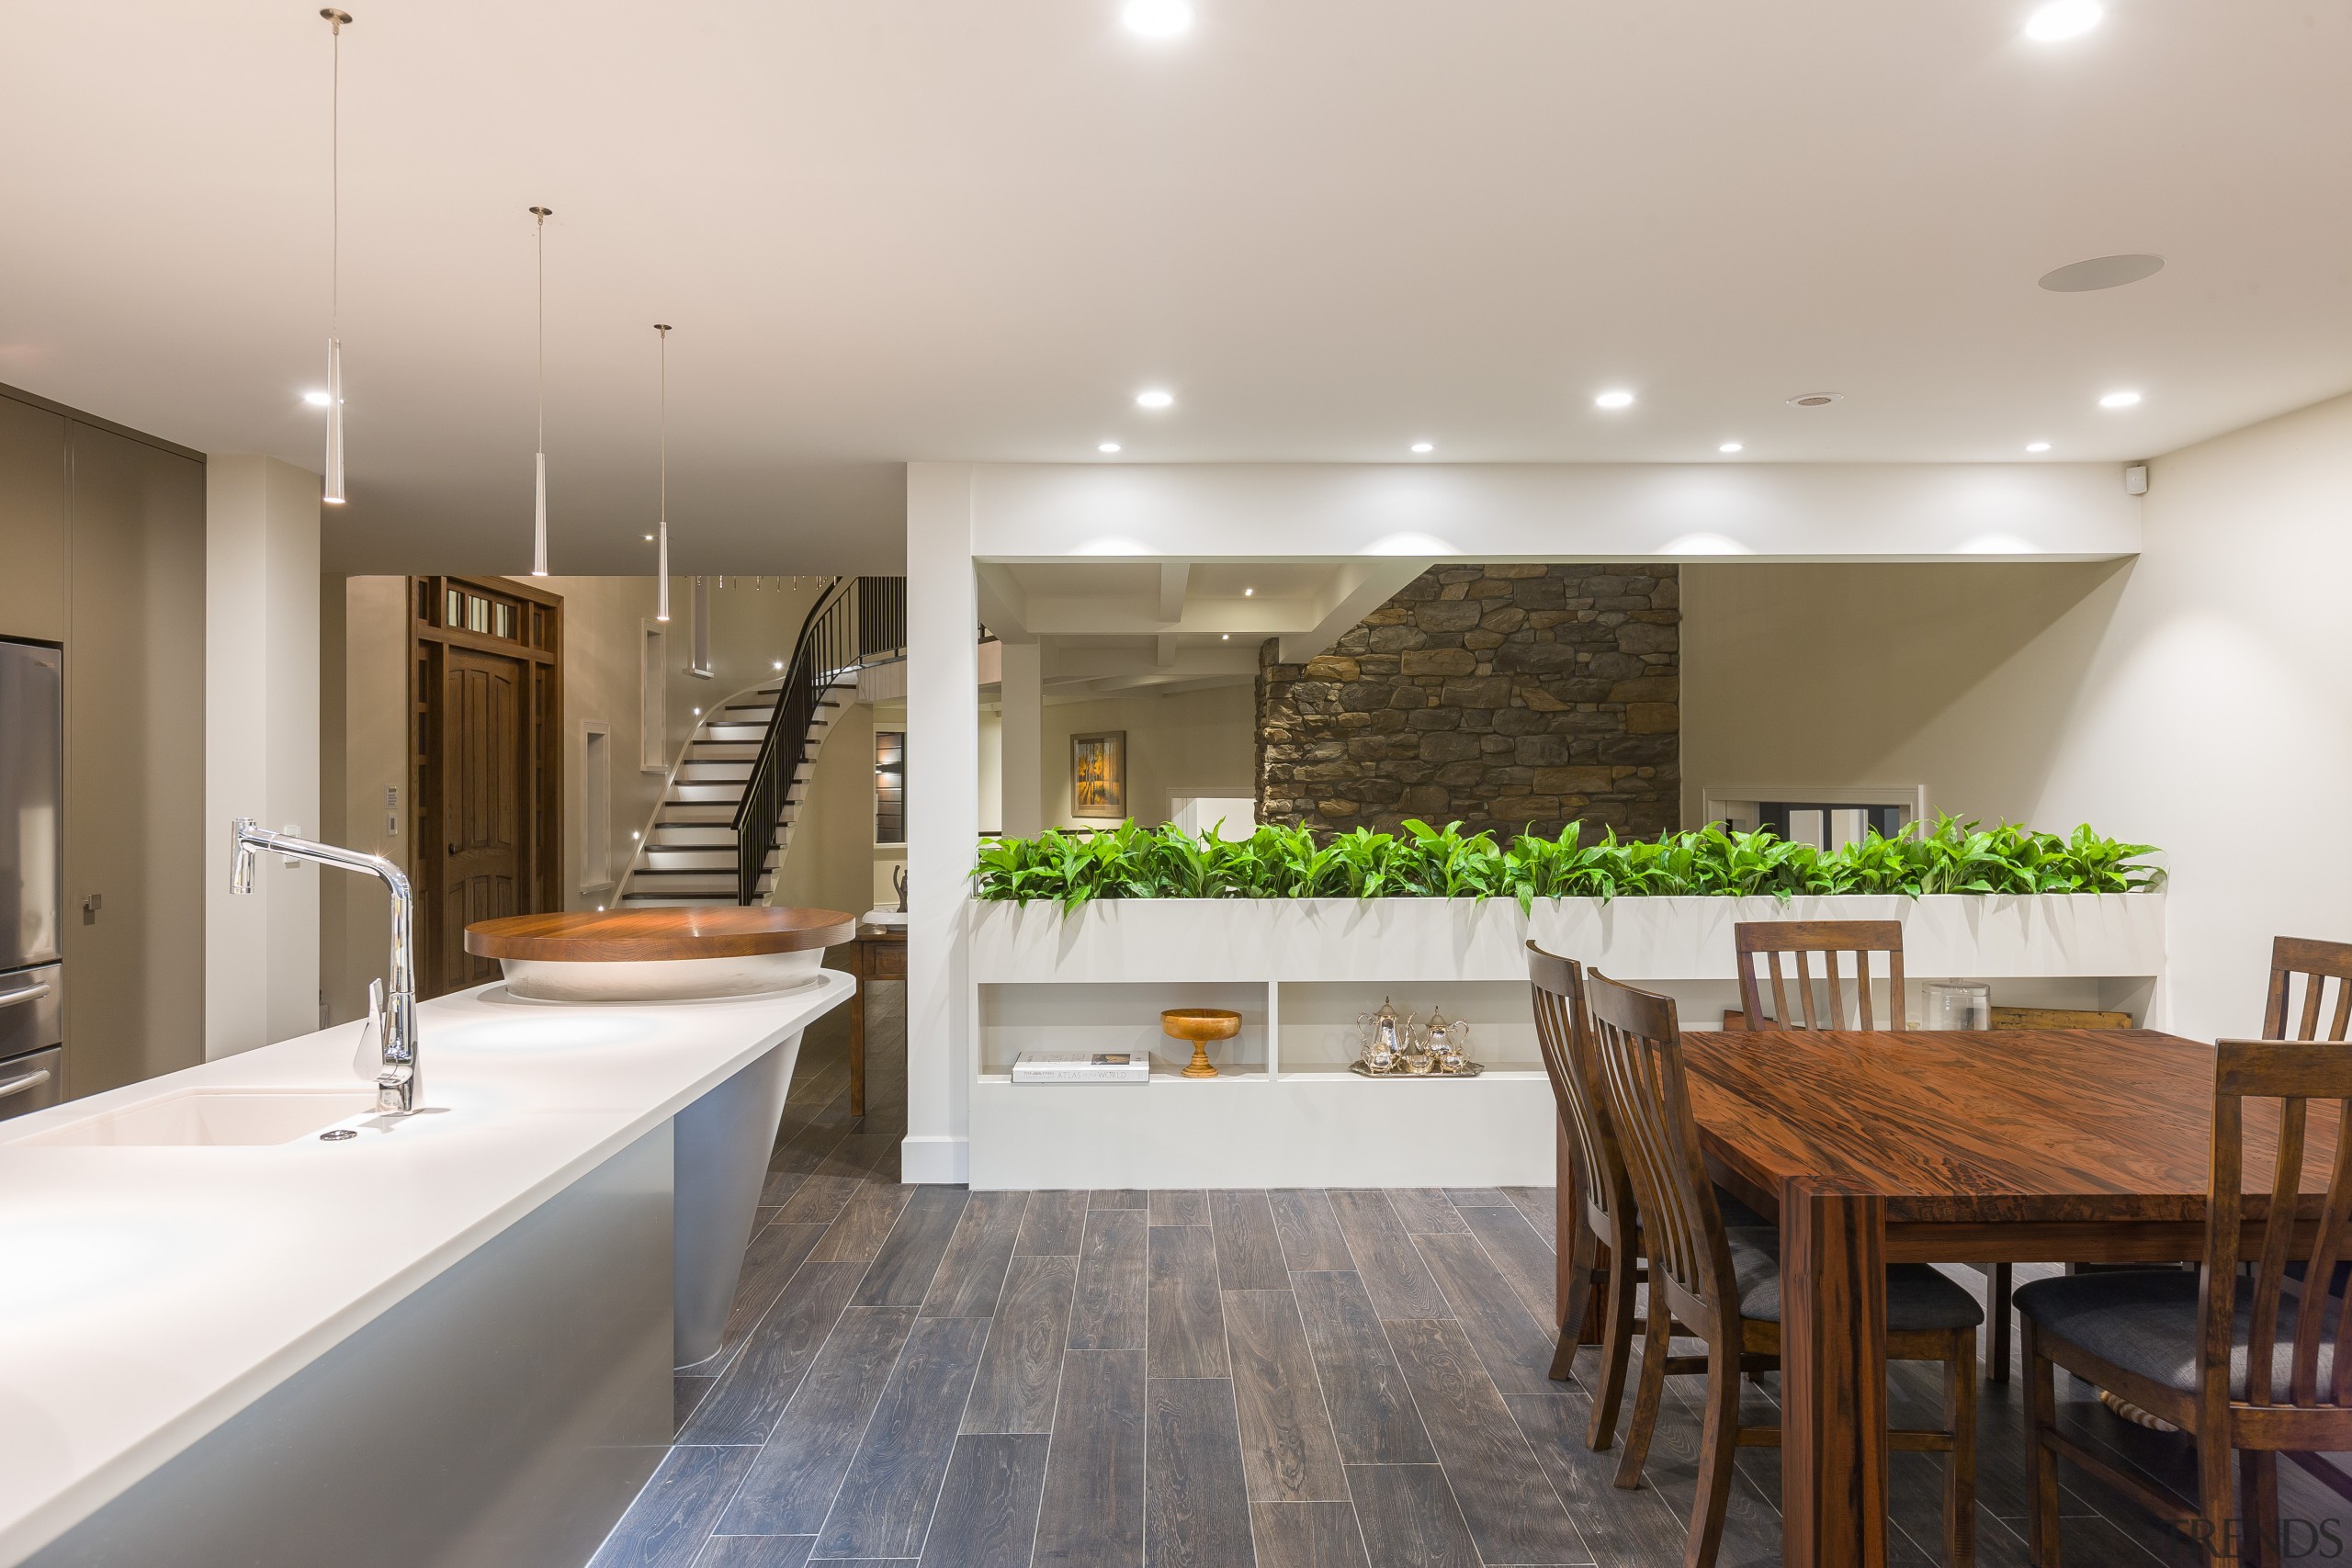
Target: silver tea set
[(1390, 1045)]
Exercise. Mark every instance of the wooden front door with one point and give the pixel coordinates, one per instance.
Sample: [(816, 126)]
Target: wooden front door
[(483, 766), (487, 690)]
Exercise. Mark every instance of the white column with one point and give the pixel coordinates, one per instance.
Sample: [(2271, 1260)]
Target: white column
[(261, 746), (942, 817), (1024, 729)]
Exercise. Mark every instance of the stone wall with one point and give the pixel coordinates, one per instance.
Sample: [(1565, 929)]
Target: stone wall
[(1498, 695)]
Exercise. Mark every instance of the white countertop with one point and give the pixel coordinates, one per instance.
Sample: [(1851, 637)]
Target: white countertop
[(148, 1294)]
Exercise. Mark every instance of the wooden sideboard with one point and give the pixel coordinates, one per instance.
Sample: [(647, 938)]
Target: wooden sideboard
[(878, 953)]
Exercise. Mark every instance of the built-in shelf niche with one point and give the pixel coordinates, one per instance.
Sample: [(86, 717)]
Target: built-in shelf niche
[(1120, 1017), (1319, 1020)]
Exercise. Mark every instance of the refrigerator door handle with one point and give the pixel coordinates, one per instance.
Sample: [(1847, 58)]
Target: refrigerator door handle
[(29, 994), (31, 1080)]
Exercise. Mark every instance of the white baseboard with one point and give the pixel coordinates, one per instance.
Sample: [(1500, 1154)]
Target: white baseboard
[(938, 1161)]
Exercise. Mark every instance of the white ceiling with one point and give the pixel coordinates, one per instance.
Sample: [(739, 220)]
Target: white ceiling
[(888, 230)]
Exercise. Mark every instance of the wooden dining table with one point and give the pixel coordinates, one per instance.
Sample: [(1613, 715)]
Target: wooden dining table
[(2028, 1146)]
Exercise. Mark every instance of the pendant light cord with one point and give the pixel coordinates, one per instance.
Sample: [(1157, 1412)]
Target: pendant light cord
[(664, 331), (334, 178), (541, 213)]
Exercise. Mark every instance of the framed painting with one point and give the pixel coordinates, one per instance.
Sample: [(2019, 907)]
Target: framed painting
[(1098, 774)]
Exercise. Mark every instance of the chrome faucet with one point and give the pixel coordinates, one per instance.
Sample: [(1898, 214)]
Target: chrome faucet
[(401, 1083)]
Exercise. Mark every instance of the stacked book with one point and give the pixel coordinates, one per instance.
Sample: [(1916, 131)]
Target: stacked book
[(1082, 1066)]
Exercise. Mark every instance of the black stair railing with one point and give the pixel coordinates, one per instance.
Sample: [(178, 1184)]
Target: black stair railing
[(856, 621)]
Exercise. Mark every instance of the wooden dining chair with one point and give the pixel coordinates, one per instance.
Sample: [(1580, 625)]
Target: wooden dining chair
[(1724, 1287), (1800, 942), (1607, 1249), (2231, 1358), (2313, 962)]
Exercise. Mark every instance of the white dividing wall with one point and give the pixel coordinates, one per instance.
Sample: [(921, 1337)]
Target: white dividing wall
[(960, 513), (2216, 714), (261, 747), (942, 817)]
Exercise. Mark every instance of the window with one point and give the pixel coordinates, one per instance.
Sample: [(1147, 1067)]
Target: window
[(889, 787)]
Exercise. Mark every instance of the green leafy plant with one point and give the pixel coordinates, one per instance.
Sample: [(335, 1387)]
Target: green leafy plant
[(1945, 856)]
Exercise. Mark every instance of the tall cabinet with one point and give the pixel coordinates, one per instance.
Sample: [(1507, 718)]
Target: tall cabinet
[(102, 552)]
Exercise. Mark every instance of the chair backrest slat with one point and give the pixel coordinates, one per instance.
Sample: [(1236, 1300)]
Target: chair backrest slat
[(2291, 1074), (2270, 1271), (1561, 1033), (2304, 1386), (2315, 963), (1637, 1061), (1765, 940)]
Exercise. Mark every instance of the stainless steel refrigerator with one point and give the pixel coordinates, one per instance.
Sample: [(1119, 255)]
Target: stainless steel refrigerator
[(32, 844)]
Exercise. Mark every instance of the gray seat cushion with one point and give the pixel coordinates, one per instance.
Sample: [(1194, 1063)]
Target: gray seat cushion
[(1738, 1216), (1917, 1297), (2147, 1324)]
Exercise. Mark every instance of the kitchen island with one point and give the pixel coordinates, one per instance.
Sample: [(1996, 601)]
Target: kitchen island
[(444, 1340)]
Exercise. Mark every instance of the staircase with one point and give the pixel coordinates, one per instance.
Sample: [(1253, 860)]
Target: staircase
[(691, 855), (749, 765)]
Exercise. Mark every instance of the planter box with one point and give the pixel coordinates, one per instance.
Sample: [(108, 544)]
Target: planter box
[(1404, 941), (1287, 1114)]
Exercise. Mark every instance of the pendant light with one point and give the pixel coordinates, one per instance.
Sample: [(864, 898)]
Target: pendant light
[(332, 492), (662, 528), (540, 522)]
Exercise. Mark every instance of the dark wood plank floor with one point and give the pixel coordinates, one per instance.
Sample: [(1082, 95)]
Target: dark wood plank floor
[(1299, 1379)]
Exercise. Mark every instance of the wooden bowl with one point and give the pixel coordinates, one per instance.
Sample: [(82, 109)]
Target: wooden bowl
[(1200, 1025), (659, 955)]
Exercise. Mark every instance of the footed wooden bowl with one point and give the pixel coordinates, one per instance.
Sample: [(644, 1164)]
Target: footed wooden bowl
[(659, 954), (1200, 1025)]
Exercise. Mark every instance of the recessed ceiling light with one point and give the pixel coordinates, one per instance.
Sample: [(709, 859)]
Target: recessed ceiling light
[(1731, 446), (1153, 398), (2063, 19), (1249, 593), (1157, 18), (2119, 399), (1225, 636), (1108, 446), (1815, 400), (777, 663), (316, 398), (2100, 272), (1423, 446), (1613, 400), (2036, 446), (649, 538)]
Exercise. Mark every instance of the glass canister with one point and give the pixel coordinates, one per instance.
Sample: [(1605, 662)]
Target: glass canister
[(1960, 1004)]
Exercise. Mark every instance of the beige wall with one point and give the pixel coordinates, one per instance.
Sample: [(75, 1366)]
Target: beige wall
[(2197, 697), (2214, 715), (832, 861), (1202, 742), (363, 739), (1958, 677)]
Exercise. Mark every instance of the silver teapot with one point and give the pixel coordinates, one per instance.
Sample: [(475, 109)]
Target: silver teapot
[(1382, 1038)]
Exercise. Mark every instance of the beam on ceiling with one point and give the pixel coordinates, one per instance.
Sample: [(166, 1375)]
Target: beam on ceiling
[(1173, 576), (1357, 589), (1004, 606)]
